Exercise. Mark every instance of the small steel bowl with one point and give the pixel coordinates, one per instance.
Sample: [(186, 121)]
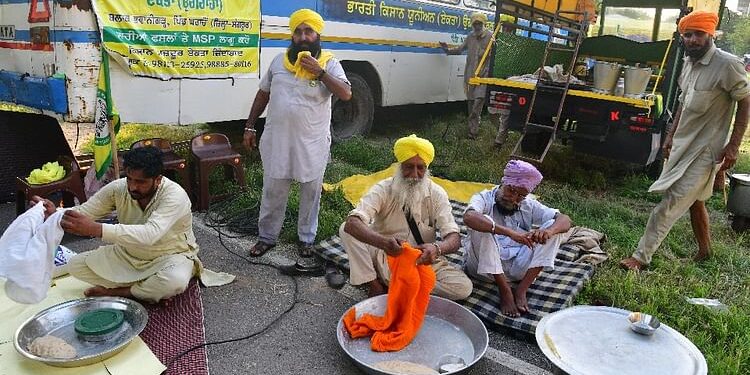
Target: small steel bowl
[(59, 321), (643, 324)]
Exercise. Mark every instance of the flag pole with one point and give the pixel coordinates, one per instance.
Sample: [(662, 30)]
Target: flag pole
[(113, 142)]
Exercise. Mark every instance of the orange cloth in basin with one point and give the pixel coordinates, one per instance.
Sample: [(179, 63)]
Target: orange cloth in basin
[(408, 297)]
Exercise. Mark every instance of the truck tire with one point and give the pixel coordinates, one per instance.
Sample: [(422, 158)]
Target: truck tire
[(355, 116)]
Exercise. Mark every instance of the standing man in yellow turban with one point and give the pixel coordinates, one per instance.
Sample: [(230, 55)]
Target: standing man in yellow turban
[(713, 82), (407, 207), (475, 44), (296, 141)]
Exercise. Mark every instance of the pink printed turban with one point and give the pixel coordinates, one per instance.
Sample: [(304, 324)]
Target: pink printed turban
[(521, 174)]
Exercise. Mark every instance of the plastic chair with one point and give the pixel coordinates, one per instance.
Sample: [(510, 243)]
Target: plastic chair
[(172, 162), (210, 150), (71, 186)]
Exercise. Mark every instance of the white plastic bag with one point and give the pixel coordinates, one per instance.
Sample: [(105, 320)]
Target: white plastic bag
[(26, 254)]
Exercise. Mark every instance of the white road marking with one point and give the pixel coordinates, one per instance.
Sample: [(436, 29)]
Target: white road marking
[(506, 360)]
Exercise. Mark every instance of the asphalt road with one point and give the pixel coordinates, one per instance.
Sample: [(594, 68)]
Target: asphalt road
[(303, 340)]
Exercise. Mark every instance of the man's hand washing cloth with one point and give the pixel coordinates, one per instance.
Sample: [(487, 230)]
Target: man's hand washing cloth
[(49, 172), (408, 297), (27, 250)]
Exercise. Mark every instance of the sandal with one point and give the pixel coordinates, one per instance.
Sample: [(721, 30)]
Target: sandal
[(297, 269), (334, 277), (305, 250), (260, 248)]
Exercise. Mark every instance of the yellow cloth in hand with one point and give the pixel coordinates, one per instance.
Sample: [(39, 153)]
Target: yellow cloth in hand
[(408, 147), (299, 71), (308, 16), (356, 186), (136, 358), (50, 172)]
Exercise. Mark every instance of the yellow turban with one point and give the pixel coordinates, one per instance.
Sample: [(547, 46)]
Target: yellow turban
[(700, 20), (411, 146), (310, 17), (478, 16)]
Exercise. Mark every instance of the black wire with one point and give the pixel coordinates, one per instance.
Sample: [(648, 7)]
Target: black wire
[(245, 223)]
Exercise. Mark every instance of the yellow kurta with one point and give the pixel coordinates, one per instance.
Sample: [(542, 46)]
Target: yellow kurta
[(144, 241)]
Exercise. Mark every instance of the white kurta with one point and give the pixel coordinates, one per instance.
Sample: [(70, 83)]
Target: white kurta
[(145, 241), (296, 139), (497, 254)]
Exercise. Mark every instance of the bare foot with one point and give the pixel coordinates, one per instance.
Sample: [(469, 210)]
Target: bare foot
[(521, 303), (508, 305), (702, 255), (100, 291), (632, 264), (376, 288), (96, 291)]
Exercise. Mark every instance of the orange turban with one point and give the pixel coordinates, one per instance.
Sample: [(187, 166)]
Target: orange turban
[(700, 20)]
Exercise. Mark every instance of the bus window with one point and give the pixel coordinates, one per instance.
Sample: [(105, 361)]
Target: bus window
[(454, 2), (480, 4), (630, 23), (667, 23)]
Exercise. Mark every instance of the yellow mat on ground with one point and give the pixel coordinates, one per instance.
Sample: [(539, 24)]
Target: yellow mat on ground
[(137, 358), (356, 186)]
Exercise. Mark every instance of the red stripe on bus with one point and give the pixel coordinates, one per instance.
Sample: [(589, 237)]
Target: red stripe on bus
[(26, 46)]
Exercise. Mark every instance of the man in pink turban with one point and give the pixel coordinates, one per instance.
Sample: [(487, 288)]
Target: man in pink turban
[(512, 236)]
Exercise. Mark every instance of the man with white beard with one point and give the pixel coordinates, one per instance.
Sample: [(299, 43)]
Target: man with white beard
[(381, 222)]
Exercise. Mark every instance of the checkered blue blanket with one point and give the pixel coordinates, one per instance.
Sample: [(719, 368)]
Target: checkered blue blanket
[(550, 292)]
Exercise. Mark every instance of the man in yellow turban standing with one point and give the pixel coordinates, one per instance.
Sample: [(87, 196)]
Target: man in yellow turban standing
[(407, 207), (297, 90), (712, 83), (474, 45)]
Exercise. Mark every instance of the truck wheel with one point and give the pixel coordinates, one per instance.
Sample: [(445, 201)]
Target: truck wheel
[(740, 223), (355, 116)]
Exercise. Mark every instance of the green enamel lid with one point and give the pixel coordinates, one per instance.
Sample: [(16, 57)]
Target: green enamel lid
[(99, 322)]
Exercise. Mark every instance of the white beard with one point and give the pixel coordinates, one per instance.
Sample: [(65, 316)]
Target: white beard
[(410, 192)]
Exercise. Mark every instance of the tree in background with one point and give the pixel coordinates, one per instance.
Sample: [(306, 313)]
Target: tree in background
[(736, 33)]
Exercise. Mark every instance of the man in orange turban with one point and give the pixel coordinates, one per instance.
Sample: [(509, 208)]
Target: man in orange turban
[(699, 145), (407, 207), (297, 88)]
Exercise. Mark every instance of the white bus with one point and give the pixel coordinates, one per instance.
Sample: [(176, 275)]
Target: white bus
[(49, 61)]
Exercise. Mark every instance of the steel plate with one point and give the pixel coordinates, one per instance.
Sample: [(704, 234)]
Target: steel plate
[(595, 340), (448, 330), (59, 321)]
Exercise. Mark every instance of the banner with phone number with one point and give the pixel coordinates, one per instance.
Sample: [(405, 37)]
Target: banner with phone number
[(182, 38)]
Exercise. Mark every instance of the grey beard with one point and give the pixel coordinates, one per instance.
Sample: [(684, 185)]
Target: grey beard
[(410, 191), (504, 208)]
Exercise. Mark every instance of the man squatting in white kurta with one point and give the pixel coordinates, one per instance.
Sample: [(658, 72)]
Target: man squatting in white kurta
[(152, 253), (512, 237)]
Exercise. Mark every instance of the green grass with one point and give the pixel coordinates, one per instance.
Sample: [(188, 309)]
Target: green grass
[(612, 198), (131, 132), (604, 195)]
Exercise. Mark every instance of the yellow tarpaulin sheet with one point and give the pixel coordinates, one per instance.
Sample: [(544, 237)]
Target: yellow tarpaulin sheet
[(137, 358), (356, 186)]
